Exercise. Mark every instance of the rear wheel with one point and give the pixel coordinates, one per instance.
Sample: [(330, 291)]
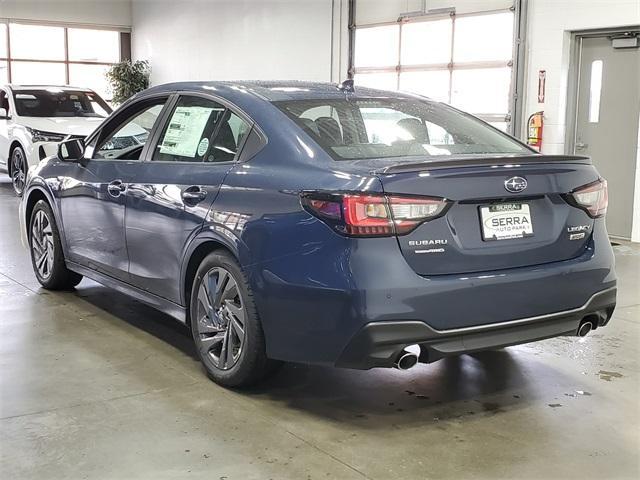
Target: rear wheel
[(47, 257), (225, 325), (18, 170)]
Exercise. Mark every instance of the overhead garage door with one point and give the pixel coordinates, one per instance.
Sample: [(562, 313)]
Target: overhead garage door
[(465, 60)]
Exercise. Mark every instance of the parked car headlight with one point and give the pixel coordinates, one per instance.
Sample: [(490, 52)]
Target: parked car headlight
[(40, 136)]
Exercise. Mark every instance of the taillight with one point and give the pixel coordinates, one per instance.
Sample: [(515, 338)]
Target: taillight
[(592, 198), (373, 215)]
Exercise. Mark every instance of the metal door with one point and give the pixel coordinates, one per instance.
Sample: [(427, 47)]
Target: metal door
[(608, 110)]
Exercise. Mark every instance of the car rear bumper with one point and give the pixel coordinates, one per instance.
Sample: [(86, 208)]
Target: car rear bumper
[(310, 313), (379, 344)]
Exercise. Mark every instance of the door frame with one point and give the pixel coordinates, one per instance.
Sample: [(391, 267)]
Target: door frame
[(575, 55)]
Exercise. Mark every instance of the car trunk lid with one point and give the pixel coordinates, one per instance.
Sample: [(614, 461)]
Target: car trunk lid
[(477, 233)]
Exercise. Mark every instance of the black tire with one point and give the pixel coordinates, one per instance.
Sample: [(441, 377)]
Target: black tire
[(18, 170), (47, 257), (217, 324)]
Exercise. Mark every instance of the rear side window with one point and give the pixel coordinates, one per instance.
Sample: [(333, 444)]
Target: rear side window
[(201, 130), (364, 128)]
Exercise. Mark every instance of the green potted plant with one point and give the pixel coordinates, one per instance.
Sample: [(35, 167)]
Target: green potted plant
[(128, 78)]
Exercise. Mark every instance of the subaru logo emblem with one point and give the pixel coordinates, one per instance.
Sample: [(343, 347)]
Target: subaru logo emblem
[(515, 184)]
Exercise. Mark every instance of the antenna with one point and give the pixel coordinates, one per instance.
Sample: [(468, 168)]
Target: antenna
[(347, 86)]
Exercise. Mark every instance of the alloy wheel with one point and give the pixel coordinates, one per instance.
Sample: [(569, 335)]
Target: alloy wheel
[(221, 319), (42, 244), (18, 174)]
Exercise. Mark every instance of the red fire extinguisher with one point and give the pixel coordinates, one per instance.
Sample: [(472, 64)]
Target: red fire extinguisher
[(534, 130)]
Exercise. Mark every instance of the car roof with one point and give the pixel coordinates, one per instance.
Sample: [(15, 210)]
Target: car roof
[(276, 90), (17, 88)]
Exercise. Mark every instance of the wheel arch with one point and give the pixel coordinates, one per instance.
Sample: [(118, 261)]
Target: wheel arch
[(198, 250), (34, 197), (34, 194)]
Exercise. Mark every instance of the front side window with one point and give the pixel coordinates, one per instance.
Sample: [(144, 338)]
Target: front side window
[(384, 128), (59, 103), (201, 130), (128, 139)]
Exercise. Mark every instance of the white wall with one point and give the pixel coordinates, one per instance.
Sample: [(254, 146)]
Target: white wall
[(95, 12), (550, 24), (548, 44), (241, 39)]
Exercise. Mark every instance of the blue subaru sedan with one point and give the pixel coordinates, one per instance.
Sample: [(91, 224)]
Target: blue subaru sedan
[(323, 223)]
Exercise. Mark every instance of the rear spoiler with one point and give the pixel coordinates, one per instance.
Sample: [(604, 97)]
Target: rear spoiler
[(477, 161)]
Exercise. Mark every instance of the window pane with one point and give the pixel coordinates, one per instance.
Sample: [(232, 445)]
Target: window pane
[(398, 128), (433, 84), (94, 45), (4, 74), (90, 76), (426, 42), (127, 141), (484, 37), (484, 90), (384, 81), (187, 135), (37, 42), (595, 88), (57, 102), (37, 73), (226, 142), (3, 40), (377, 46)]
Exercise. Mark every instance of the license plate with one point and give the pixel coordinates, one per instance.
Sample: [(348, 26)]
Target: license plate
[(503, 221)]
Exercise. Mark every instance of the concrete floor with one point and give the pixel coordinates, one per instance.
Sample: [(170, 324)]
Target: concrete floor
[(94, 385)]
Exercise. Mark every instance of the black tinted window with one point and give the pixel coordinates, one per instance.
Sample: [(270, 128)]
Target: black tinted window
[(59, 103), (382, 128)]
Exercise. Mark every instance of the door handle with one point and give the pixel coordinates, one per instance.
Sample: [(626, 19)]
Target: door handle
[(194, 194), (581, 146), (116, 188)]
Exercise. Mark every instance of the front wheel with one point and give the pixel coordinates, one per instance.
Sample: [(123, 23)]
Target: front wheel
[(18, 170), (47, 257), (225, 325)]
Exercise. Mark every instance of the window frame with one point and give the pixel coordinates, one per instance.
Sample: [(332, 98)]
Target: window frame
[(165, 117), (9, 59), (119, 119)]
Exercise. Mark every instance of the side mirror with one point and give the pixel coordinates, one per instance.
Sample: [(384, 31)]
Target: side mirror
[(4, 115), (70, 150)]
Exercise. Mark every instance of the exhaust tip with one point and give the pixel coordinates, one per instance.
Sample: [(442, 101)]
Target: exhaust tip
[(406, 360), (584, 328)]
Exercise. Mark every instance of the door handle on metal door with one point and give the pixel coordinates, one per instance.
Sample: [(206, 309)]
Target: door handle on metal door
[(116, 188), (194, 194)]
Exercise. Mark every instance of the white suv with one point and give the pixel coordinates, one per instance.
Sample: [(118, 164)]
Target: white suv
[(33, 119)]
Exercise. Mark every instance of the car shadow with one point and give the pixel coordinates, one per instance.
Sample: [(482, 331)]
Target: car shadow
[(461, 388), (139, 315)]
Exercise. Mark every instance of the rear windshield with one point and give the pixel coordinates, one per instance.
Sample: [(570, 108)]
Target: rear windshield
[(350, 129), (59, 103)]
